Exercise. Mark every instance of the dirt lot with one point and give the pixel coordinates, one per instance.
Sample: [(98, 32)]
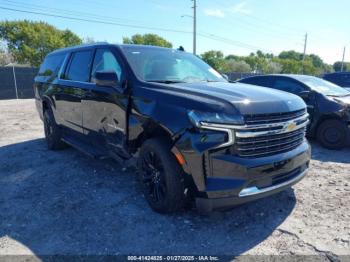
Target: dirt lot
[(65, 203)]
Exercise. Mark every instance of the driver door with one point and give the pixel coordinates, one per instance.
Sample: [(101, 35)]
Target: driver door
[(105, 107), (294, 87)]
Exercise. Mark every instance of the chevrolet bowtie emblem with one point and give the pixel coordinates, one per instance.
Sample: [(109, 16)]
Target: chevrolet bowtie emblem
[(291, 126)]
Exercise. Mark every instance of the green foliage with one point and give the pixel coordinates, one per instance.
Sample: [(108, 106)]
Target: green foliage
[(337, 66), (233, 66), (291, 55), (147, 39), (215, 59), (29, 42), (288, 62)]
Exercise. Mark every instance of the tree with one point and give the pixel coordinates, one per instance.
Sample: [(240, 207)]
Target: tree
[(5, 58), (274, 67), (29, 41), (337, 66), (292, 55), (215, 59), (233, 66), (147, 39)]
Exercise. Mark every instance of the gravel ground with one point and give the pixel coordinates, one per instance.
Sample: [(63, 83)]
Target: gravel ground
[(65, 203)]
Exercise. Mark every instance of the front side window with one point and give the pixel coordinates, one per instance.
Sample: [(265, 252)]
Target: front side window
[(288, 86), (168, 65), (79, 67), (106, 61), (324, 87)]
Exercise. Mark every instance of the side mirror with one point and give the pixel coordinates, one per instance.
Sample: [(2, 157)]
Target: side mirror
[(305, 94), (105, 78)]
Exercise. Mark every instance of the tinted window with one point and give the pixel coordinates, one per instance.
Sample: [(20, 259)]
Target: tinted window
[(259, 81), (288, 86), (323, 86), (106, 61), (51, 65), (79, 68)]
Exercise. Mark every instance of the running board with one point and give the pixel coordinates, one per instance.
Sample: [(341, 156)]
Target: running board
[(86, 149)]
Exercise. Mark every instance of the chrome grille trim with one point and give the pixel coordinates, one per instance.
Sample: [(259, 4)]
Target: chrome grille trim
[(284, 129)]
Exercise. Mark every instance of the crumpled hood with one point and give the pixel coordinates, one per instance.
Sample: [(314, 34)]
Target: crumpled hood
[(345, 100), (247, 99)]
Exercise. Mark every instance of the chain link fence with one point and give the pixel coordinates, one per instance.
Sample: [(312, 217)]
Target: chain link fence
[(17, 82)]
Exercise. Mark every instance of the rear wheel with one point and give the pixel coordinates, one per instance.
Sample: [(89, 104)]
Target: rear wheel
[(52, 132), (333, 134), (162, 178)]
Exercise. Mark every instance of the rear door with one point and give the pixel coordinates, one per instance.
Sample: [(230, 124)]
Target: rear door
[(46, 80), (71, 89), (104, 107)]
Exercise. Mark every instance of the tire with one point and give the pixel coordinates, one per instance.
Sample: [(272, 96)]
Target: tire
[(333, 134), (53, 134), (162, 178)]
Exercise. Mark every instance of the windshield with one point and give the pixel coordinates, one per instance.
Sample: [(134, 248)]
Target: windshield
[(169, 66), (324, 87)]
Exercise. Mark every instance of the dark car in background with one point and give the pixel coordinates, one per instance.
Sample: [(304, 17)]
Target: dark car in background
[(195, 136), (328, 105), (339, 78)]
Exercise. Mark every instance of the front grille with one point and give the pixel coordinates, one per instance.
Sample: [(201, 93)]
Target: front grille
[(273, 118), (265, 135)]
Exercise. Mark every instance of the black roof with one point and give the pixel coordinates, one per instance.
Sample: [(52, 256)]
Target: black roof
[(294, 76), (337, 73), (101, 44)]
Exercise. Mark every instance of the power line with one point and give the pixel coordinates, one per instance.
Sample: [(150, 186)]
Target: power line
[(96, 21), (205, 35)]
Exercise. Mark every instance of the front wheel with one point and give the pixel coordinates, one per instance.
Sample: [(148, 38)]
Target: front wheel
[(162, 178), (333, 134)]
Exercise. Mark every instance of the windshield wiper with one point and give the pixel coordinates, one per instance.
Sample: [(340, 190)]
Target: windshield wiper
[(166, 81)]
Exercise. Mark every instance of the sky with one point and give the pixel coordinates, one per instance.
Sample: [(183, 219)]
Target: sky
[(232, 26)]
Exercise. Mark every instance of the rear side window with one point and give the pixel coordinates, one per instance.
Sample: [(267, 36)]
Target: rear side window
[(259, 81), (106, 61), (288, 85), (79, 67), (51, 65)]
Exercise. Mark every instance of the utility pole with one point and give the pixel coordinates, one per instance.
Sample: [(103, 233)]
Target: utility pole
[(194, 26), (342, 62), (305, 44)]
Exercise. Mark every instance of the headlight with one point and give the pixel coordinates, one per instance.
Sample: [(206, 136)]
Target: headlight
[(201, 119), (217, 122)]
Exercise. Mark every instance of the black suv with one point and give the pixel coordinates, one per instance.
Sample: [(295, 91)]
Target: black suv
[(327, 103), (195, 136), (339, 78)]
